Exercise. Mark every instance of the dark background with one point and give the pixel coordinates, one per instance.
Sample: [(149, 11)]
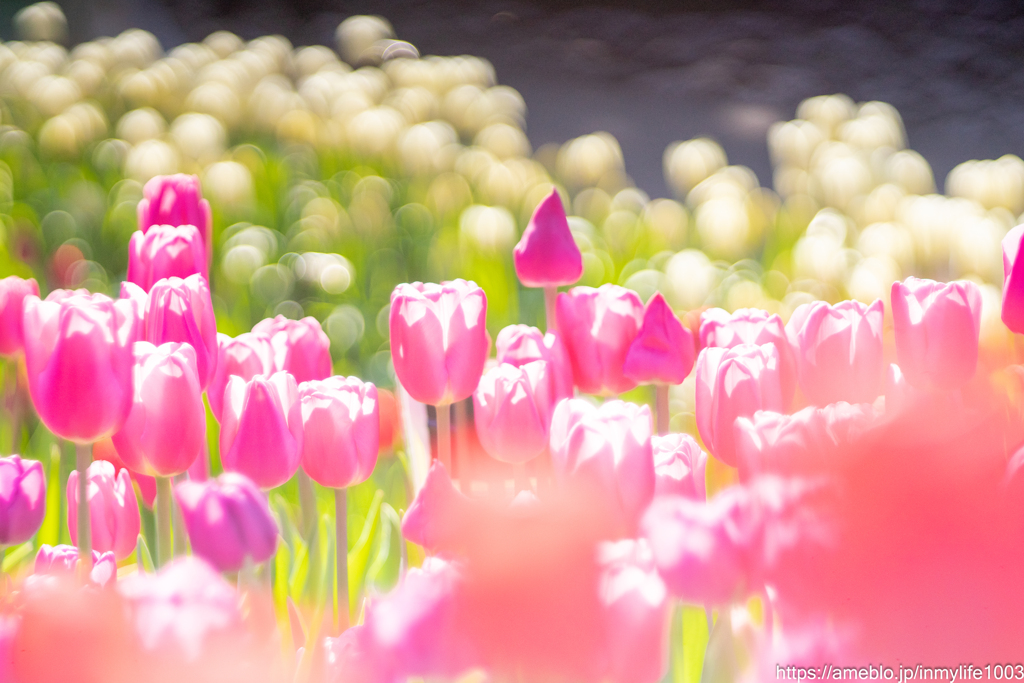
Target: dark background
[(654, 71)]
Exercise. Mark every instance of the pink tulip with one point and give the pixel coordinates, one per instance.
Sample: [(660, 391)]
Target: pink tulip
[(547, 255), (522, 344), (679, 466), (13, 291), (439, 340), (22, 499), (937, 327), (228, 519), (165, 431), (751, 326), (734, 383), (113, 509), (176, 200), (1013, 281), (165, 251), (300, 347), (598, 327), (662, 352), (78, 353), (512, 409), (137, 301), (838, 351), (245, 356), (341, 430), (606, 448), (261, 428), (182, 311), (436, 518), (62, 560)]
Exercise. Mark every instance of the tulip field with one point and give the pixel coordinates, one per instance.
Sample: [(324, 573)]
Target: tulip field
[(314, 371)]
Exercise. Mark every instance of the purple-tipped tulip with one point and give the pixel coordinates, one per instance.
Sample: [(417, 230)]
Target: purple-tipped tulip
[(300, 347), (165, 251), (22, 499), (62, 560), (341, 430), (547, 255), (13, 291), (182, 311), (662, 352)]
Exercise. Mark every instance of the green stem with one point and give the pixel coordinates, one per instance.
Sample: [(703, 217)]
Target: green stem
[(163, 521), (550, 302), (83, 457), (444, 436), (661, 407), (341, 544), (178, 523)]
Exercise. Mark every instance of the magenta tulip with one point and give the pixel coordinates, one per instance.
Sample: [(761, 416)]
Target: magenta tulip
[(165, 431), (439, 340), (341, 430), (113, 509), (679, 466), (937, 327), (228, 520), (663, 351), (839, 351), (78, 353), (245, 356), (13, 291), (751, 326), (734, 383), (522, 344), (512, 409), (300, 347), (598, 326), (182, 311), (261, 428), (1013, 281), (22, 499), (547, 255), (176, 200), (165, 251), (62, 560)]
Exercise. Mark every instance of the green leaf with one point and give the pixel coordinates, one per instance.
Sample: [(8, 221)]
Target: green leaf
[(15, 557), (692, 644), (49, 533), (142, 554), (359, 556)]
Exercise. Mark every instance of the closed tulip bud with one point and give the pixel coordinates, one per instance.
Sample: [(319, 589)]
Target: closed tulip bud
[(164, 432), (113, 509), (13, 291), (300, 347), (547, 255), (751, 326), (341, 430), (839, 351), (78, 354), (261, 428), (245, 356), (182, 311), (62, 560), (439, 340), (512, 409), (598, 327), (937, 326), (228, 520), (1013, 281), (662, 352), (176, 200), (165, 251), (522, 344), (734, 383), (679, 466), (22, 499)]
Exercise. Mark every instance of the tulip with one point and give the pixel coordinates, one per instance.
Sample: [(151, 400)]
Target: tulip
[(839, 351), (245, 356), (1013, 281), (751, 326), (937, 327), (113, 510), (436, 518), (104, 449), (522, 344), (22, 499), (512, 409), (176, 200), (679, 466), (300, 347), (165, 251), (228, 520), (341, 430), (137, 302), (62, 560), (182, 311), (734, 383), (261, 428), (13, 291), (598, 327)]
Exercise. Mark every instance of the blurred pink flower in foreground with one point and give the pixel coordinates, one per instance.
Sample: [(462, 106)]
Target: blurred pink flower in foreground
[(22, 499), (63, 560), (662, 352), (547, 255), (299, 347), (165, 251), (13, 291), (341, 430), (113, 509)]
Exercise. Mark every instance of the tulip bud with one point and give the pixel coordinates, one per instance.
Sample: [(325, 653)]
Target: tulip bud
[(78, 353), (512, 409), (751, 326), (937, 327), (182, 311), (1013, 281), (439, 340), (62, 560), (341, 430), (547, 255), (521, 344), (679, 466), (599, 325), (245, 356), (113, 509), (164, 432), (228, 519), (13, 291), (838, 351), (300, 347), (261, 428), (662, 352), (734, 383), (176, 200), (165, 251), (22, 499)]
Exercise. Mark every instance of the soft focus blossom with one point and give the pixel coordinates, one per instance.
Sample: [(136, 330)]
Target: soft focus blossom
[(104, 449), (245, 356), (522, 344), (63, 560), (341, 430), (181, 310), (512, 409), (113, 509), (663, 351), (679, 466), (176, 200), (1013, 280), (751, 326), (547, 255), (22, 499), (300, 347), (13, 291), (166, 251)]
